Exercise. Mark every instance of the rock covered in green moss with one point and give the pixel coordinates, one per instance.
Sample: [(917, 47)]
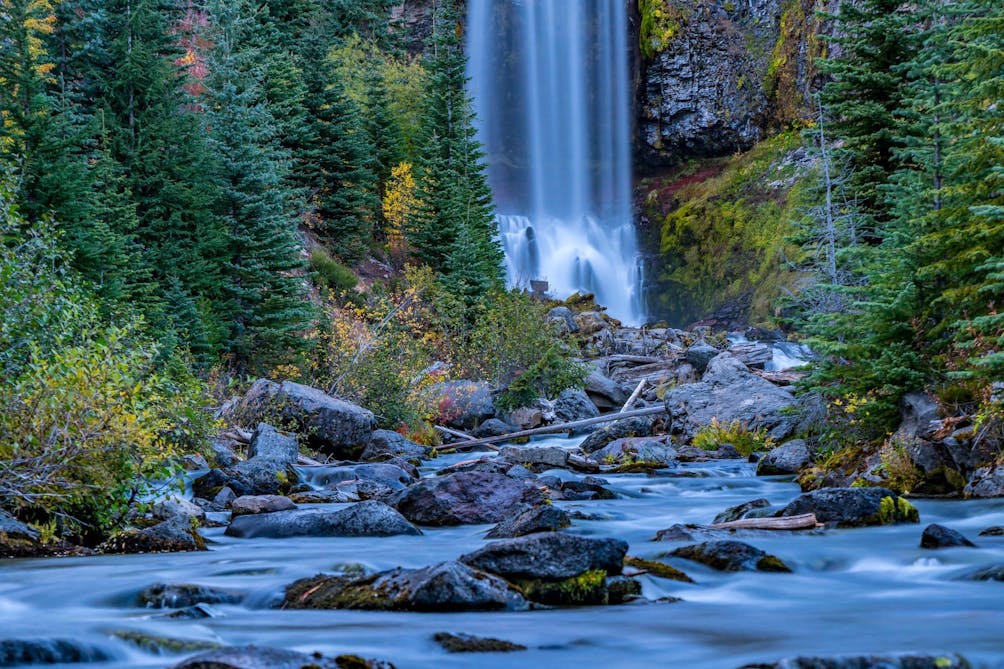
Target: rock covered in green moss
[(731, 556), (854, 507), (162, 645), (447, 586), (468, 643), (179, 534), (656, 568)]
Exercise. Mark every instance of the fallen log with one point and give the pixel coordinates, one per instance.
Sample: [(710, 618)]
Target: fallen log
[(634, 396), (552, 429), (462, 435), (805, 521)]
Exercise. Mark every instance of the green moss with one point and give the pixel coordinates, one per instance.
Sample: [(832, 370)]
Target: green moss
[(744, 439), (896, 510), (660, 569), (661, 23), (587, 588)]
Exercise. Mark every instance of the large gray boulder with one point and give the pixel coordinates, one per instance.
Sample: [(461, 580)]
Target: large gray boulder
[(386, 444), (651, 451), (253, 504), (639, 426), (325, 423), (549, 555), (445, 587), (605, 393), (545, 456), (466, 498), (268, 443), (574, 404), (363, 519), (986, 482), (854, 507), (788, 458), (729, 392)]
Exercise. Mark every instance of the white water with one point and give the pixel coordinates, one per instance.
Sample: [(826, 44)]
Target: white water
[(551, 90)]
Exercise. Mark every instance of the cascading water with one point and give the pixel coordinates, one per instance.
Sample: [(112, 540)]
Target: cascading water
[(550, 85)]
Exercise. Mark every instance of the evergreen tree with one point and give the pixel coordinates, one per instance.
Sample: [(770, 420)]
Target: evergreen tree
[(454, 226), (266, 307)]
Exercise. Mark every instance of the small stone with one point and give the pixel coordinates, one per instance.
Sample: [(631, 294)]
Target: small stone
[(939, 536), (467, 643)]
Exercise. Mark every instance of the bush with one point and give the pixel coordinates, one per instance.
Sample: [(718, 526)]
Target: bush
[(330, 273), (745, 440)]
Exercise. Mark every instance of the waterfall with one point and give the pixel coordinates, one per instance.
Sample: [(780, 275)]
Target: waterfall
[(551, 90)]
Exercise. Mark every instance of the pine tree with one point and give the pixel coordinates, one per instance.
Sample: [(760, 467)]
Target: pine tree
[(266, 307), (454, 226)]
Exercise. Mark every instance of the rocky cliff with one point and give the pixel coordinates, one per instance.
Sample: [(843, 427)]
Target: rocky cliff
[(717, 76)]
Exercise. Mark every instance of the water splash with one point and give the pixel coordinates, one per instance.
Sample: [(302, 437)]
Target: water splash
[(551, 89)]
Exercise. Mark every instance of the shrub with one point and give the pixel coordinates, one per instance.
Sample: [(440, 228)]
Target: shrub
[(745, 440), (330, 273)]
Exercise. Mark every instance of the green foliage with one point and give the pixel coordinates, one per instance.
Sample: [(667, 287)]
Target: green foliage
[(660, 24), (330, 273), (746, 440)]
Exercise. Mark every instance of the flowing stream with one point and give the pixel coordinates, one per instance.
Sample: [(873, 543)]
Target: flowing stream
[(852, 591), (552, 93)]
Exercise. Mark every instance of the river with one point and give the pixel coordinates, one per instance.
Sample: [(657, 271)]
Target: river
[(855, 591)]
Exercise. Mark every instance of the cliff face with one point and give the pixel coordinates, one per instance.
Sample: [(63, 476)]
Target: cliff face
[(716, 76)]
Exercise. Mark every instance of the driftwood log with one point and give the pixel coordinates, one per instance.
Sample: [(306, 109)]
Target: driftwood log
[(805, 521)]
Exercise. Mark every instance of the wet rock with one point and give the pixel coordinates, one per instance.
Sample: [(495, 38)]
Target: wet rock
[(17, 652), (176, 535), (691, 532), (325, 423), (993, 572), (466, 498), (384, 473), (729, 392), (18, 539), (543, 518), (261, 657), (700, 354), (489, 465), (360, 490), (588, 488), (323, 497), (162, 645), (224, 498), (854, 507), (788, 458), (462, 404), (251, 504), (692, 454), (549, 556), (519, 472), (574, 404), (622, 589), (949, 661), (639, 426), (364, 519), (994, 531), (649, 451), (385, 444), (468, 643), (731, 556), (448, 586), (268, 443), (740, 511), (195, 612), (494, 427), (656, 568), (939, 536), (546, 456), (184, 595)]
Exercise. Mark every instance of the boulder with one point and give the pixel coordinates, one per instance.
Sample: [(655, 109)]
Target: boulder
[(251, 504), (544, 456), (788, 458), (184, 595), (854, 507), (495, 427), (260, 657), (652, 451), (992, 572), (741, 511), (386, 444), (364, 519), (17, 652), (222, 452), (639, 426), (170, 507), (590, 322), (993, 531), (939, 536), (467, 643), (552, 556), (700, 354), (692, 454), (268, 443), (563, 320), (731, 556), (729, 392), (589, 487), (462, 404), (986, 482), (485, 464), (257, 476), (18, 539), (605, 393), (176, 535), (574, 404), (543, 518), (323, 422), (950, 661), (466, 498), (448, 586)]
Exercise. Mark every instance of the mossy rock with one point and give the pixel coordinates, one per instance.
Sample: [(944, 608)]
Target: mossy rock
[(162, 645), (587, 588), (656, 568)]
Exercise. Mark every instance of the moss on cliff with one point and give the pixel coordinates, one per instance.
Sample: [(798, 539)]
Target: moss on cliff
[(723, 229), (661, 22)]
